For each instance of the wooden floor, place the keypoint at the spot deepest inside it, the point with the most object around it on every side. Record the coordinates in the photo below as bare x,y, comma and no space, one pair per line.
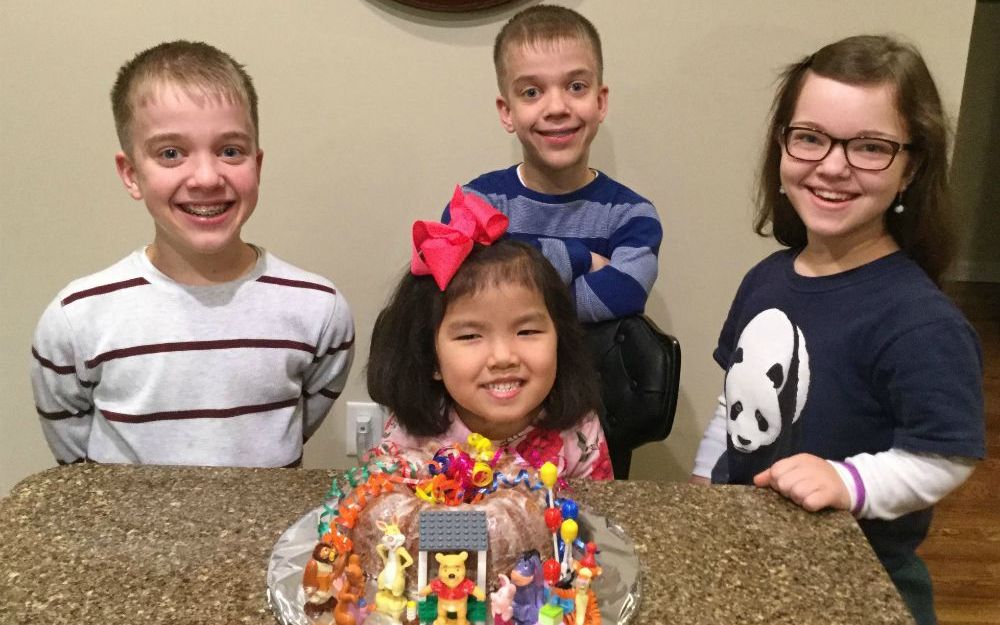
963,548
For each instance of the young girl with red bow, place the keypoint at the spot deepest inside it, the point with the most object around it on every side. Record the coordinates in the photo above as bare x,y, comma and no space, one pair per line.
481,337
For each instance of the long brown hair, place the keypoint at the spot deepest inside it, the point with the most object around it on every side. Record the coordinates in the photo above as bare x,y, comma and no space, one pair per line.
924,230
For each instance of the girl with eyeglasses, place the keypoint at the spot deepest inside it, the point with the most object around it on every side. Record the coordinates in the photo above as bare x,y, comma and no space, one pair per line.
851,381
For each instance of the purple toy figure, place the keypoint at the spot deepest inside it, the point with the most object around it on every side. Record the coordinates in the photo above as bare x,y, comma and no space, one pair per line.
529,596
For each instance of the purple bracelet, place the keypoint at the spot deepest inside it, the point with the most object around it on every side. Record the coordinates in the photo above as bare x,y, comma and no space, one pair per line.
859,488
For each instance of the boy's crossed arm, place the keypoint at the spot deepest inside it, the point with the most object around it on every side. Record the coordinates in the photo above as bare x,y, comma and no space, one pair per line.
619,286
597,261
603,288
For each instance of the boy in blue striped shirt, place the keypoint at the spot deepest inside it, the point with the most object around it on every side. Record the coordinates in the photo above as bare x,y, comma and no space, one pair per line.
600,235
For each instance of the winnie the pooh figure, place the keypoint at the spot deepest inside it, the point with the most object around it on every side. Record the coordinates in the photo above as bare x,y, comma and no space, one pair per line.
452,589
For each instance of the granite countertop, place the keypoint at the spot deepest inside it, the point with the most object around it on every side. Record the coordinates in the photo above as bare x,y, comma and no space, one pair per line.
99,544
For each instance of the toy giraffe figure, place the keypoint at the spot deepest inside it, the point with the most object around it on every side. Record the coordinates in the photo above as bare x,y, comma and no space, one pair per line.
390,598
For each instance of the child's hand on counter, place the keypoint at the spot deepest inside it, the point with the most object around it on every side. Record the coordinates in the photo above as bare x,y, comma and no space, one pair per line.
807,480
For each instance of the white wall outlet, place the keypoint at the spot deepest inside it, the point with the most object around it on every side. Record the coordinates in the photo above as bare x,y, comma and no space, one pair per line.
365,420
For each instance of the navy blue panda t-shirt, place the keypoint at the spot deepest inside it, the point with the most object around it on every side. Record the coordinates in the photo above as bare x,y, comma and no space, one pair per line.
858,362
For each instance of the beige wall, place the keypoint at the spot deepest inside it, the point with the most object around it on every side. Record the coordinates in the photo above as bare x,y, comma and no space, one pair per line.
370,115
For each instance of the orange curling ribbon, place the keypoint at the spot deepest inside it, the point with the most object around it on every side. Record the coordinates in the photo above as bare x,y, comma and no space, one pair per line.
454,494
441,489
351,507
339,542
379,483
447,492
425,490
347,515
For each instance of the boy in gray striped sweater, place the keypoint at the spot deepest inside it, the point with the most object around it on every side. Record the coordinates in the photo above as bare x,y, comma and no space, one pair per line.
198,348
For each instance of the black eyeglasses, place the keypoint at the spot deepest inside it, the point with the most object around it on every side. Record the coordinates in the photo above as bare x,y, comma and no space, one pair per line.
868,153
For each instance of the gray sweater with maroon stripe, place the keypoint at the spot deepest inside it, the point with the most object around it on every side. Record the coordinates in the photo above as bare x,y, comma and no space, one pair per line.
130,366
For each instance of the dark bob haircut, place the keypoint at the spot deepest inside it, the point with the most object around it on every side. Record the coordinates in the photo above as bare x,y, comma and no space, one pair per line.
403,359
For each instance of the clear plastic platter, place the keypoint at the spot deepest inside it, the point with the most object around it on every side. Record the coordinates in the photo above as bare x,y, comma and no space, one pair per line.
617,588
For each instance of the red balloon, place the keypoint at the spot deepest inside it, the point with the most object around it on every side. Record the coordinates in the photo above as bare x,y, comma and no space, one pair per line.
551,571
553,519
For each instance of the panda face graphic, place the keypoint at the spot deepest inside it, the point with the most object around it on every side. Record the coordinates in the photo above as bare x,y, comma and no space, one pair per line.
754,415
767,382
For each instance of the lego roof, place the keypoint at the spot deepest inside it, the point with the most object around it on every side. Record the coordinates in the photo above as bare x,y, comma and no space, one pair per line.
453,530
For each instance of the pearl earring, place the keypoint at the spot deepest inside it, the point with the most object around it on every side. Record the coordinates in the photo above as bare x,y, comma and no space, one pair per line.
781,189
899,208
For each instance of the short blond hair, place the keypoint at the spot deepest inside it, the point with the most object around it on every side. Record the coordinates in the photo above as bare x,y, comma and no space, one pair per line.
545,23
194,66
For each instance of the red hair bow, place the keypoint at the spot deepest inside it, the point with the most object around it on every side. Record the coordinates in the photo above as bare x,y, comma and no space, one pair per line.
439,249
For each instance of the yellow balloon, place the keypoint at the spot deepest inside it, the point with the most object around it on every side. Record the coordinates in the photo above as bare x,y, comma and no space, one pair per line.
569,530
549,473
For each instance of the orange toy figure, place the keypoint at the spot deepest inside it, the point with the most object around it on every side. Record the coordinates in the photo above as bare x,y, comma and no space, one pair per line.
587,570
325,568
583,578
452,589
354,587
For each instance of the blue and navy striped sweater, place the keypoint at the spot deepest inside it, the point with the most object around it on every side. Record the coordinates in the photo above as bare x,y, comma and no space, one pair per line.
604,217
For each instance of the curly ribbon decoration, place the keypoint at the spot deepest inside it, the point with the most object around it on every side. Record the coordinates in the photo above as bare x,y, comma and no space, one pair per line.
482,446
450,461
456,478
361,483
482,474
324,525
441,490
390,451
439,249
351,506
339,542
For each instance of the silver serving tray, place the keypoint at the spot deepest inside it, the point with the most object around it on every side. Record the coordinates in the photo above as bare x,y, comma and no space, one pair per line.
618,588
